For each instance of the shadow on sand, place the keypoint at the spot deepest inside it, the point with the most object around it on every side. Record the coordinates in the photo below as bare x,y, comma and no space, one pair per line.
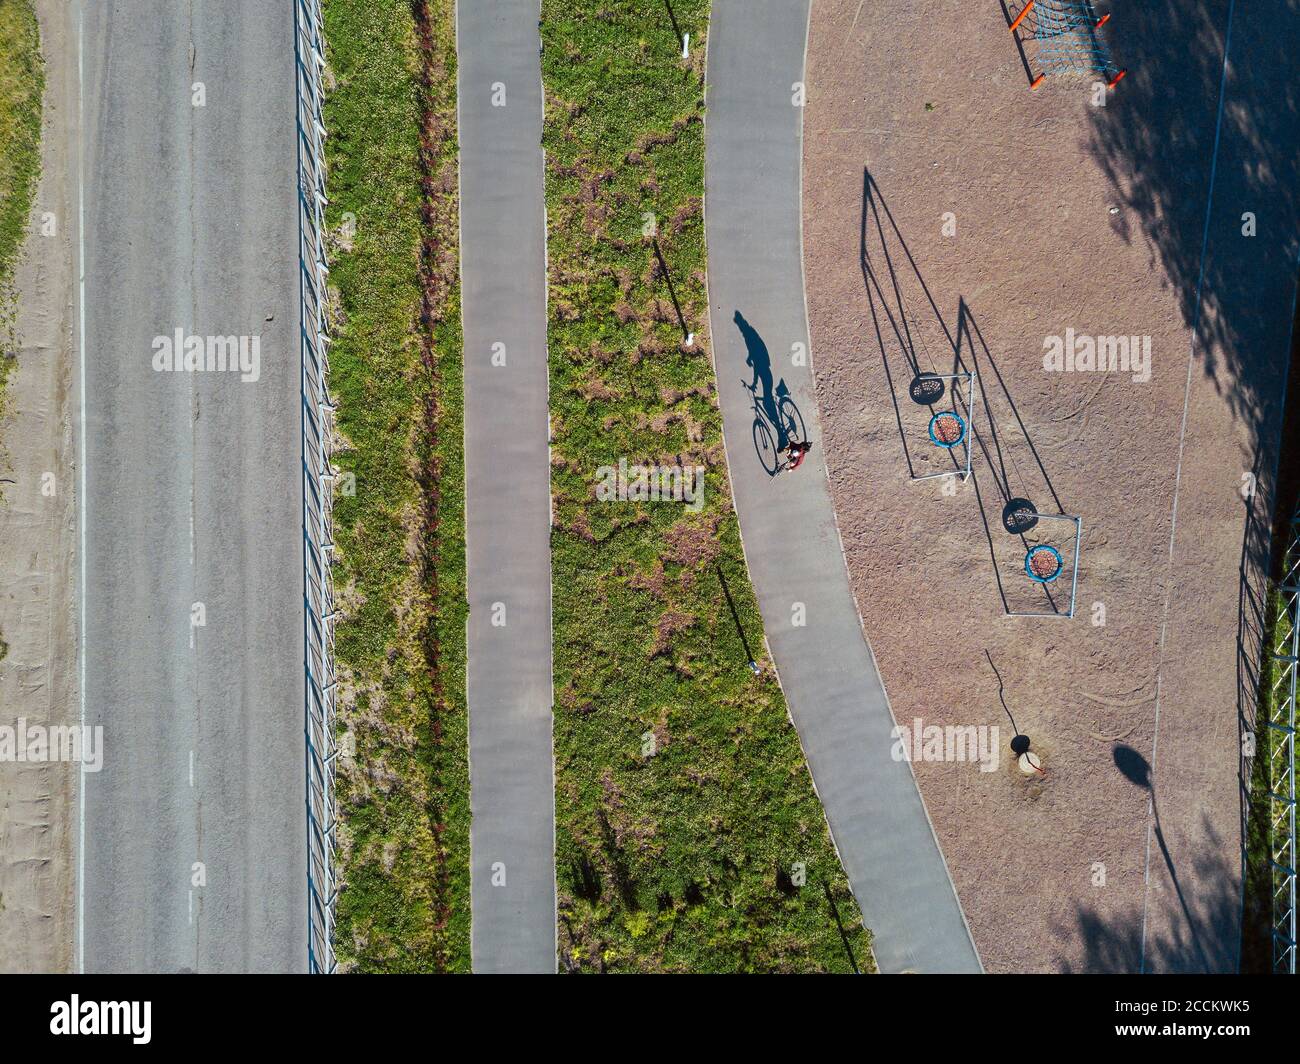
915,339
1233,288
1207,894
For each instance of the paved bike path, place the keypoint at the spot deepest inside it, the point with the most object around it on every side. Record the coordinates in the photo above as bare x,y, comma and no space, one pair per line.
792,545
193,835
507,479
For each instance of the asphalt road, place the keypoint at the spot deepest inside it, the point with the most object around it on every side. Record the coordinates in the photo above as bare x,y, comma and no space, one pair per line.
194,836
507,479
792,545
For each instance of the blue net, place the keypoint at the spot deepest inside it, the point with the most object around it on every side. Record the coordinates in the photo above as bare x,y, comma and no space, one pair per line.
1065,39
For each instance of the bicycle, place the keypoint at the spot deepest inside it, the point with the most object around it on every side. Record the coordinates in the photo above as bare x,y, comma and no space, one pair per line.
771,437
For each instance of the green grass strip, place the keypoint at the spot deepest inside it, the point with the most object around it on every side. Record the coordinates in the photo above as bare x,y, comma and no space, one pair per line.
689,837
22,83
396,373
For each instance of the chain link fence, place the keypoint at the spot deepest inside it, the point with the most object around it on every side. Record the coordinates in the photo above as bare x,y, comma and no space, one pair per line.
317,491
1285,652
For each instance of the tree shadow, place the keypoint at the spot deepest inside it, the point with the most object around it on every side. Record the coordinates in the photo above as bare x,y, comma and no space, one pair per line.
1213,190
1114,944
1155,141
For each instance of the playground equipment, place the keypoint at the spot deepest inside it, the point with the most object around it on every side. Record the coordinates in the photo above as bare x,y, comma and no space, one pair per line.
1065,40
948,428
1044,563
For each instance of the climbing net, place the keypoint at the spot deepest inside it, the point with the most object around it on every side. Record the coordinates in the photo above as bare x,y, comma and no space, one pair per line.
1066,41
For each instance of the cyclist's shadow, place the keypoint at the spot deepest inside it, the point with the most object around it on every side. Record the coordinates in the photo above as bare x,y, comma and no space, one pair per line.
777,421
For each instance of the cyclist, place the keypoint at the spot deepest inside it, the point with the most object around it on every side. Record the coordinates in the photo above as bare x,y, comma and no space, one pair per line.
797,451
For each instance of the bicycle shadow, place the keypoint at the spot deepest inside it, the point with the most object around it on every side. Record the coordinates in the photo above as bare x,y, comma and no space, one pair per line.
777,419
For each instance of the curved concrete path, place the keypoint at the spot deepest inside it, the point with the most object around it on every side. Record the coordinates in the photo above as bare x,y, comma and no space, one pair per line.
507,484
760,329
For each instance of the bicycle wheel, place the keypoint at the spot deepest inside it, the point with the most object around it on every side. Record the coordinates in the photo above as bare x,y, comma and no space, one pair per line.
765,445
792,421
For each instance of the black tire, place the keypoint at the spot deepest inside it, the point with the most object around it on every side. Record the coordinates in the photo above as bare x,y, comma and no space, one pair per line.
792,421
765,446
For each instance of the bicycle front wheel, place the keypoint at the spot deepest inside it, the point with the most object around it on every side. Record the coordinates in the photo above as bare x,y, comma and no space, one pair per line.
765,446
792,421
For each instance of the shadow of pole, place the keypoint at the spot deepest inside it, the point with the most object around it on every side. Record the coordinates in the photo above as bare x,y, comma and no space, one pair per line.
672,17
839,924
1137,770
672,292
735,616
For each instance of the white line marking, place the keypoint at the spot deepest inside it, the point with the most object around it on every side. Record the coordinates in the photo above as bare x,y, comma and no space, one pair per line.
1178,476
856,14
81,356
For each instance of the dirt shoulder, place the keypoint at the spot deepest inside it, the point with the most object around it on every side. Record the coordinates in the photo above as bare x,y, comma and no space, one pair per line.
955,220
37,542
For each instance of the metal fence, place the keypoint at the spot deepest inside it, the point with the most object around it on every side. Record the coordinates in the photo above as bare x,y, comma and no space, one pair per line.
1281,757
317,491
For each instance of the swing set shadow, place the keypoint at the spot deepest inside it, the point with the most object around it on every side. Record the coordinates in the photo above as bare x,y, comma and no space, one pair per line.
900,302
